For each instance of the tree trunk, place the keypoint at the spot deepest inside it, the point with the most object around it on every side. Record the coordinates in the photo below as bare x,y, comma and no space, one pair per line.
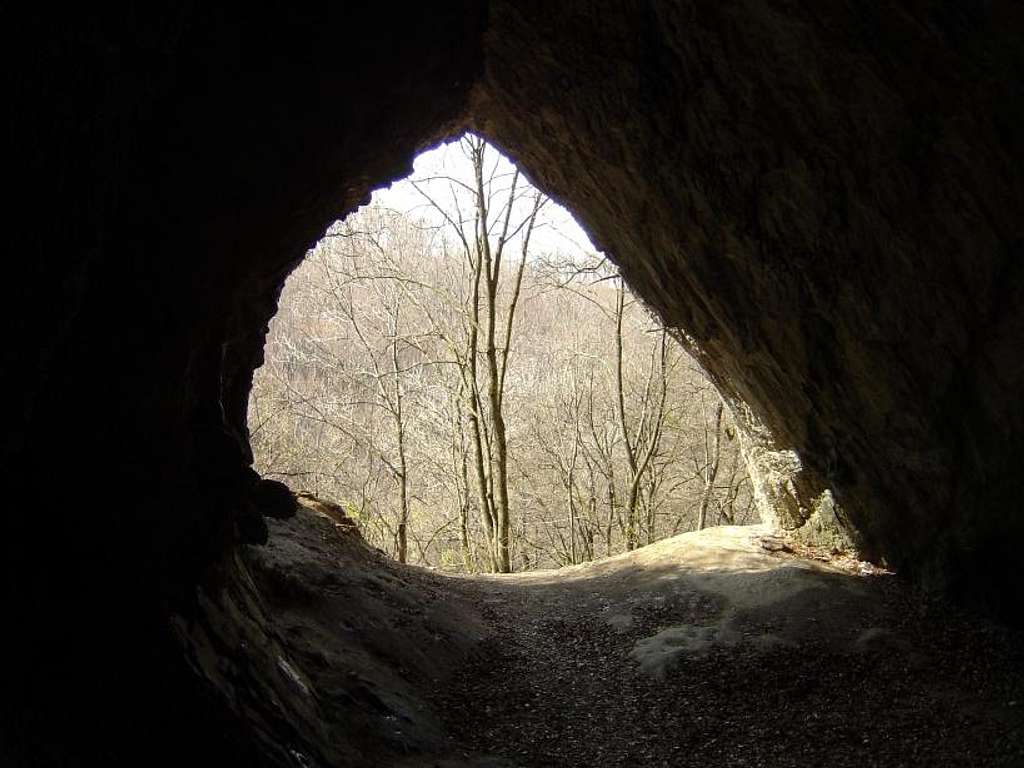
500,466
479,460
712,456
403,476
620,396
613,508
467,560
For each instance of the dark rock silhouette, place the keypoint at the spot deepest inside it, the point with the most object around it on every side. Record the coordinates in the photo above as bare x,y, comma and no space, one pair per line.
274,499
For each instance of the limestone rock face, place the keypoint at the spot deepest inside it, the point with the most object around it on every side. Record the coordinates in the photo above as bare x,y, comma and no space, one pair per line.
827,198
829,203
172,166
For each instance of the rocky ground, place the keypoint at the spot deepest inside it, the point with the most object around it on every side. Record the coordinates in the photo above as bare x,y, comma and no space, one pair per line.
705,649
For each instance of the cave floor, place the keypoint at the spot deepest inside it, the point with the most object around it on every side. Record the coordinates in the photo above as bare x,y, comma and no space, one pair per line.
706,649
710,648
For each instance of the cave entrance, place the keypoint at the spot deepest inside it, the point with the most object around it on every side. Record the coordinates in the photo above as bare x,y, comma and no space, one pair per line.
457,368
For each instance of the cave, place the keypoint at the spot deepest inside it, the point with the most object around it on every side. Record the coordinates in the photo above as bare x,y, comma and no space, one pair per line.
828,198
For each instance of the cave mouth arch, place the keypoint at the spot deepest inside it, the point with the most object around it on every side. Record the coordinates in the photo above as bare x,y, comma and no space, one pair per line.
377,364
732,215
825,198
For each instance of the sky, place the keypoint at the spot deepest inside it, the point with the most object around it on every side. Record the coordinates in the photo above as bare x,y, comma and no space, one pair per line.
556,231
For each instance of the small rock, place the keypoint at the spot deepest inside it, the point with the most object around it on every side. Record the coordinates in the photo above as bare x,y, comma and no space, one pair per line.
274,499
252,528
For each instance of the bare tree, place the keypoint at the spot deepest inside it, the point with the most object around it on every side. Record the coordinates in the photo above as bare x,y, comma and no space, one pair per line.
484,247
712,453
401,381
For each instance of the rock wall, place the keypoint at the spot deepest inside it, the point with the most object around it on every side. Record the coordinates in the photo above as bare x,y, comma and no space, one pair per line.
825,200
171,166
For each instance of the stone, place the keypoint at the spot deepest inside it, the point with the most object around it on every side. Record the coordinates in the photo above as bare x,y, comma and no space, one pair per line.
252,528
274,499
795,221
330,510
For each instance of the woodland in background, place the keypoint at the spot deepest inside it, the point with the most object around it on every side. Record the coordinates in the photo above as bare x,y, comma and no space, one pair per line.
477,405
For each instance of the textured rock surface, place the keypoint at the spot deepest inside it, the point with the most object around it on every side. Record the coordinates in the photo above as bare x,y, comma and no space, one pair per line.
172,166
708,648
829,202
827,197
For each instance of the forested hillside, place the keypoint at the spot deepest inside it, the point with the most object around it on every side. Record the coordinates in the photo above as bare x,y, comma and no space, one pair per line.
478,402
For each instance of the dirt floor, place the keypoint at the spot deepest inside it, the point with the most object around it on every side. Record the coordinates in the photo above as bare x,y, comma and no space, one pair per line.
714,648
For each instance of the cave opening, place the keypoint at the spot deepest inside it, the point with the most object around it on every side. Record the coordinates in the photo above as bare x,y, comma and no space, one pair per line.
373,399
824,196
714,613
521,660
